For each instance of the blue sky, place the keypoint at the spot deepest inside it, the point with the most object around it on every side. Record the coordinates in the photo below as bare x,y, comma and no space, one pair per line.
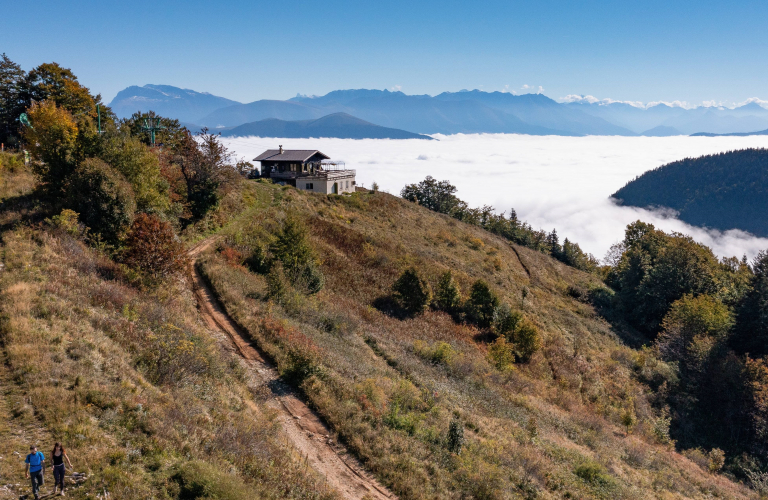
628,50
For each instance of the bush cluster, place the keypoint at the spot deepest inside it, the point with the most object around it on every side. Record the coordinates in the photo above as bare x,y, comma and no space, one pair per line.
482,308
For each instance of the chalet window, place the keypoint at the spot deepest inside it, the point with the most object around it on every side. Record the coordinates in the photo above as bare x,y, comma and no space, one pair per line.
347,184
310,185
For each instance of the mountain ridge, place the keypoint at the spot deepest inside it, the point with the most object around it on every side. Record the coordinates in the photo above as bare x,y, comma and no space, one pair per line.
335,125
466,111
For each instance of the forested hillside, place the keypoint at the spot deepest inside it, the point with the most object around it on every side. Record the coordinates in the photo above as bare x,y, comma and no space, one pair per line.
450,352
723,191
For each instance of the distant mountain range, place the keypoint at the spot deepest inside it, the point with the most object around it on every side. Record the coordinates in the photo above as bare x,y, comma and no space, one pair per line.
677,120
722,191
182,104
337,125
447,113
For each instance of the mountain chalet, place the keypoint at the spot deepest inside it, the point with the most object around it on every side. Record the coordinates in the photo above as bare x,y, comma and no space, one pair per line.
306,169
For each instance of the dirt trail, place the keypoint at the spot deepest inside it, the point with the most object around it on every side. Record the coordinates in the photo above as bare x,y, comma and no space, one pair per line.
301,425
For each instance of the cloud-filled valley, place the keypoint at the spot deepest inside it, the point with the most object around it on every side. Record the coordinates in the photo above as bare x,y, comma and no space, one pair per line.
551,181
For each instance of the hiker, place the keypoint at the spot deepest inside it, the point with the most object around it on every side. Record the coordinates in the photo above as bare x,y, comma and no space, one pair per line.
35,469
57,456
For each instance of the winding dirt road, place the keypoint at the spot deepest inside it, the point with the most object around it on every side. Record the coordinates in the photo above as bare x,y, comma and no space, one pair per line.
306,432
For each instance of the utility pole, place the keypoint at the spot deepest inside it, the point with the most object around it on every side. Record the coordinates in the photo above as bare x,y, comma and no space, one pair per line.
152,125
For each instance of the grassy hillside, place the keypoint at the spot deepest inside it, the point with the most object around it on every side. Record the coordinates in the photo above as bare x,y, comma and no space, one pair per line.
145,399
576,421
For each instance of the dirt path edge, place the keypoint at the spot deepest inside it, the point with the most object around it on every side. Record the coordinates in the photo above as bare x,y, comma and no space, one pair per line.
301,425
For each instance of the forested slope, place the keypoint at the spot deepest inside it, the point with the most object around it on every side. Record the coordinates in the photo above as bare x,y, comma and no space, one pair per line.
722,191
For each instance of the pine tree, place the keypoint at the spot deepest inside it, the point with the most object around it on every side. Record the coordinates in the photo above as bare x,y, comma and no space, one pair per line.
447,294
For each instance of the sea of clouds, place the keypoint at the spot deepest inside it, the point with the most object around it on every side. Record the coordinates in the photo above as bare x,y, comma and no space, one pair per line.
550,181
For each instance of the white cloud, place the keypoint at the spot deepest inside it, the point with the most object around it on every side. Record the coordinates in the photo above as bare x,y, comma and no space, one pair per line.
594,100
532,89
756,100
396,88
551,181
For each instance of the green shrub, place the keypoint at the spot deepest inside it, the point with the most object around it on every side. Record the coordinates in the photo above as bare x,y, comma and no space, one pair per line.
291,247
67,221
505,321
501,353
455,439
412,291
197,479
527,340
447,293
716,460
592,472
277,284
141,168
440,352
103,198
481,303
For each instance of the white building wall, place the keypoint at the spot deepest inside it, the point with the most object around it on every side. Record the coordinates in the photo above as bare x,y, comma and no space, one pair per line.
346,184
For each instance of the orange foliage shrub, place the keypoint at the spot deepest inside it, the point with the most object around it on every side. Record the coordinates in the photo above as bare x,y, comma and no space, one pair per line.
232,256
153,249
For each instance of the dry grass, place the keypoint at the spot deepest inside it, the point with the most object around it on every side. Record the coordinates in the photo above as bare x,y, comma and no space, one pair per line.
145,400
390,387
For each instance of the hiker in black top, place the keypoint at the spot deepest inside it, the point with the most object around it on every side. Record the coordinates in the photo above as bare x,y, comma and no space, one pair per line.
34,469
58,455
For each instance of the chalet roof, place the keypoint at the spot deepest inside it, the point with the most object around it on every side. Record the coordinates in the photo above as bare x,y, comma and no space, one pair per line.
295,155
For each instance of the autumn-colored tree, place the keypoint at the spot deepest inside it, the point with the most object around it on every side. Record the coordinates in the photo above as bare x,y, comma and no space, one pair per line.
152,248
51,82
52,140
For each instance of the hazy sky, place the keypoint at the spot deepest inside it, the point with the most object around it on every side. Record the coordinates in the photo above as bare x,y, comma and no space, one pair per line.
246,50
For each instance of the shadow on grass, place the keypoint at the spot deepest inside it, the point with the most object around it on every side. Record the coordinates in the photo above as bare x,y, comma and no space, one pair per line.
606,304
485,336
389,306
26,209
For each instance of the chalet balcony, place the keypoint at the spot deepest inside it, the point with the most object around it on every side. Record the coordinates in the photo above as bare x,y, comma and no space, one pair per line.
322,169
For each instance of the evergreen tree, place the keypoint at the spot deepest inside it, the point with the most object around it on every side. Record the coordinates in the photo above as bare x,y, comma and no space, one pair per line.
412,291
751,335
447,294
11,100
481,304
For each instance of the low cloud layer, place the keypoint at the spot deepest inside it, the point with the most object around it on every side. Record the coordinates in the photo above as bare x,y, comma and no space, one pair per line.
551,181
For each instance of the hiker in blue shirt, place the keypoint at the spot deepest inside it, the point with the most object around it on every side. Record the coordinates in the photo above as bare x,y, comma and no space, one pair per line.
35,469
